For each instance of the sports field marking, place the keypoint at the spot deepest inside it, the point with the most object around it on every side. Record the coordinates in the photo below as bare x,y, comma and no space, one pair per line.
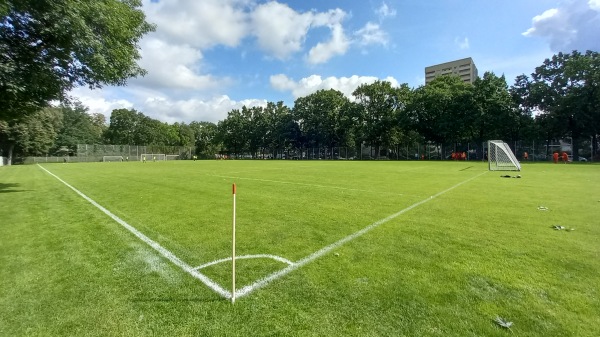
305,184
246,290
160,249
242,257
278,274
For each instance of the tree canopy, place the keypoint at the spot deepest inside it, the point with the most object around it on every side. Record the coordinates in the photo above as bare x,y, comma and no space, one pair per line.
47,47
560,99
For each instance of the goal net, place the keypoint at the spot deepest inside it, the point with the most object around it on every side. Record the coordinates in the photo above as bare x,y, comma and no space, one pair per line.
153,156
112,158
172,157
501,157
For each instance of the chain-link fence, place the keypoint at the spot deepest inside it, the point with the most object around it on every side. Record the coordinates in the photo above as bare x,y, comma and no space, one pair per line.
523,150
92,153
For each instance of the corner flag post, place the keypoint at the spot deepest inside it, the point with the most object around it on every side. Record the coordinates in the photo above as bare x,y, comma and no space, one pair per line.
233,252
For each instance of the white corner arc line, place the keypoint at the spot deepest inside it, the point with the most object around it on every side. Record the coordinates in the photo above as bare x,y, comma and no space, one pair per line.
276,275
160,249
242,257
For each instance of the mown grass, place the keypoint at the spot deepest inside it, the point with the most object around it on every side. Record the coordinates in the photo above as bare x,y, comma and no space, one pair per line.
447,267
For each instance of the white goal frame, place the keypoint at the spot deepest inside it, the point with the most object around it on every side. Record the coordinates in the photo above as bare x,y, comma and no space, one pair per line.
501,157
108,158
150,156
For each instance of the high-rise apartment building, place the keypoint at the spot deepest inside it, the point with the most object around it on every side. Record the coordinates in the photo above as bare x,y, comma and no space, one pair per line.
465,68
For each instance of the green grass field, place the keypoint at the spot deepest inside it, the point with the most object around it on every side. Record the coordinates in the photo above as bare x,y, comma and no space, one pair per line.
445,248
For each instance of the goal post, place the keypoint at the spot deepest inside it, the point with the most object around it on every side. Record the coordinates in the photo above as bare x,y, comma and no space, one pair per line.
153,156
501,157
112,158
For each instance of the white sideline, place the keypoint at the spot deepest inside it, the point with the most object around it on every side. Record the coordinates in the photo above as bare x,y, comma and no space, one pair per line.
274,276
242,257
163,251
246,290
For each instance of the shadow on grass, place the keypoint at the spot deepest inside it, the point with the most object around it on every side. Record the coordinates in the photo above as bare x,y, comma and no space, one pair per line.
179,300
8,188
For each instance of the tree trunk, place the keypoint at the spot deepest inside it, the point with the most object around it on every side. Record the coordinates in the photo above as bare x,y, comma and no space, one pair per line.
11,146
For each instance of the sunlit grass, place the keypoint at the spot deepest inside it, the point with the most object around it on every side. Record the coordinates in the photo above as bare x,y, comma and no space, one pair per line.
447,267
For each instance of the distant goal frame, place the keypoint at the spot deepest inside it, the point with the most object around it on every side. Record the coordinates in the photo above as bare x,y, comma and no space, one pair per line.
151,156
501,157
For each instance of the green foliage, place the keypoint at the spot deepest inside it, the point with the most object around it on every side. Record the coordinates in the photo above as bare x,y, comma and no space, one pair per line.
566,87
384,108
33,135
495,113
48,47
442,111
206,139
324,118
79,127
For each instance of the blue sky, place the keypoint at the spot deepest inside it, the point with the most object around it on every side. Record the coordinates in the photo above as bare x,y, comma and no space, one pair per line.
208,57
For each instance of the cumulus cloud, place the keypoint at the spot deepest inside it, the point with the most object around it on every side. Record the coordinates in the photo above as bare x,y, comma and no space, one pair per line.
572,25
180,84
210,110
100,101
162,107
281,31
337,45
314,83
201,24
172,66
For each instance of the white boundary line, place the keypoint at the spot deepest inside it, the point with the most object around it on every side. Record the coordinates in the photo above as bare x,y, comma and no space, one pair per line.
257,256
160,249
278,274
246,290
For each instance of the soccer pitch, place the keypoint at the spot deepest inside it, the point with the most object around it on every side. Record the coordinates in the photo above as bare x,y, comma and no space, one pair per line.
323,248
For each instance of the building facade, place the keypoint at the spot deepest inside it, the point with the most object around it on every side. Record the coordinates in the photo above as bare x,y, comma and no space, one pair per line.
465,68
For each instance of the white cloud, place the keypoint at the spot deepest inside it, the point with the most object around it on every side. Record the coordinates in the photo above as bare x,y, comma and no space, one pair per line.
180,85
462,43
193,109
337,45
281,31
385,11
370,34
162,107
97,101
313,83
201,24
572,25
172,66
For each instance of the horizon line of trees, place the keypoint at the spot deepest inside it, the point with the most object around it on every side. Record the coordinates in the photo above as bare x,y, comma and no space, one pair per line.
560,99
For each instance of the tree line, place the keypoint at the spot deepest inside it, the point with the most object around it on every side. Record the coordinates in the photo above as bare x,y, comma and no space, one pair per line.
48,48
560,99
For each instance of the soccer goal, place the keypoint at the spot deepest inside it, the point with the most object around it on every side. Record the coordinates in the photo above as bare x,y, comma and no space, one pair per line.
112,158
172,157
501,157
153,156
